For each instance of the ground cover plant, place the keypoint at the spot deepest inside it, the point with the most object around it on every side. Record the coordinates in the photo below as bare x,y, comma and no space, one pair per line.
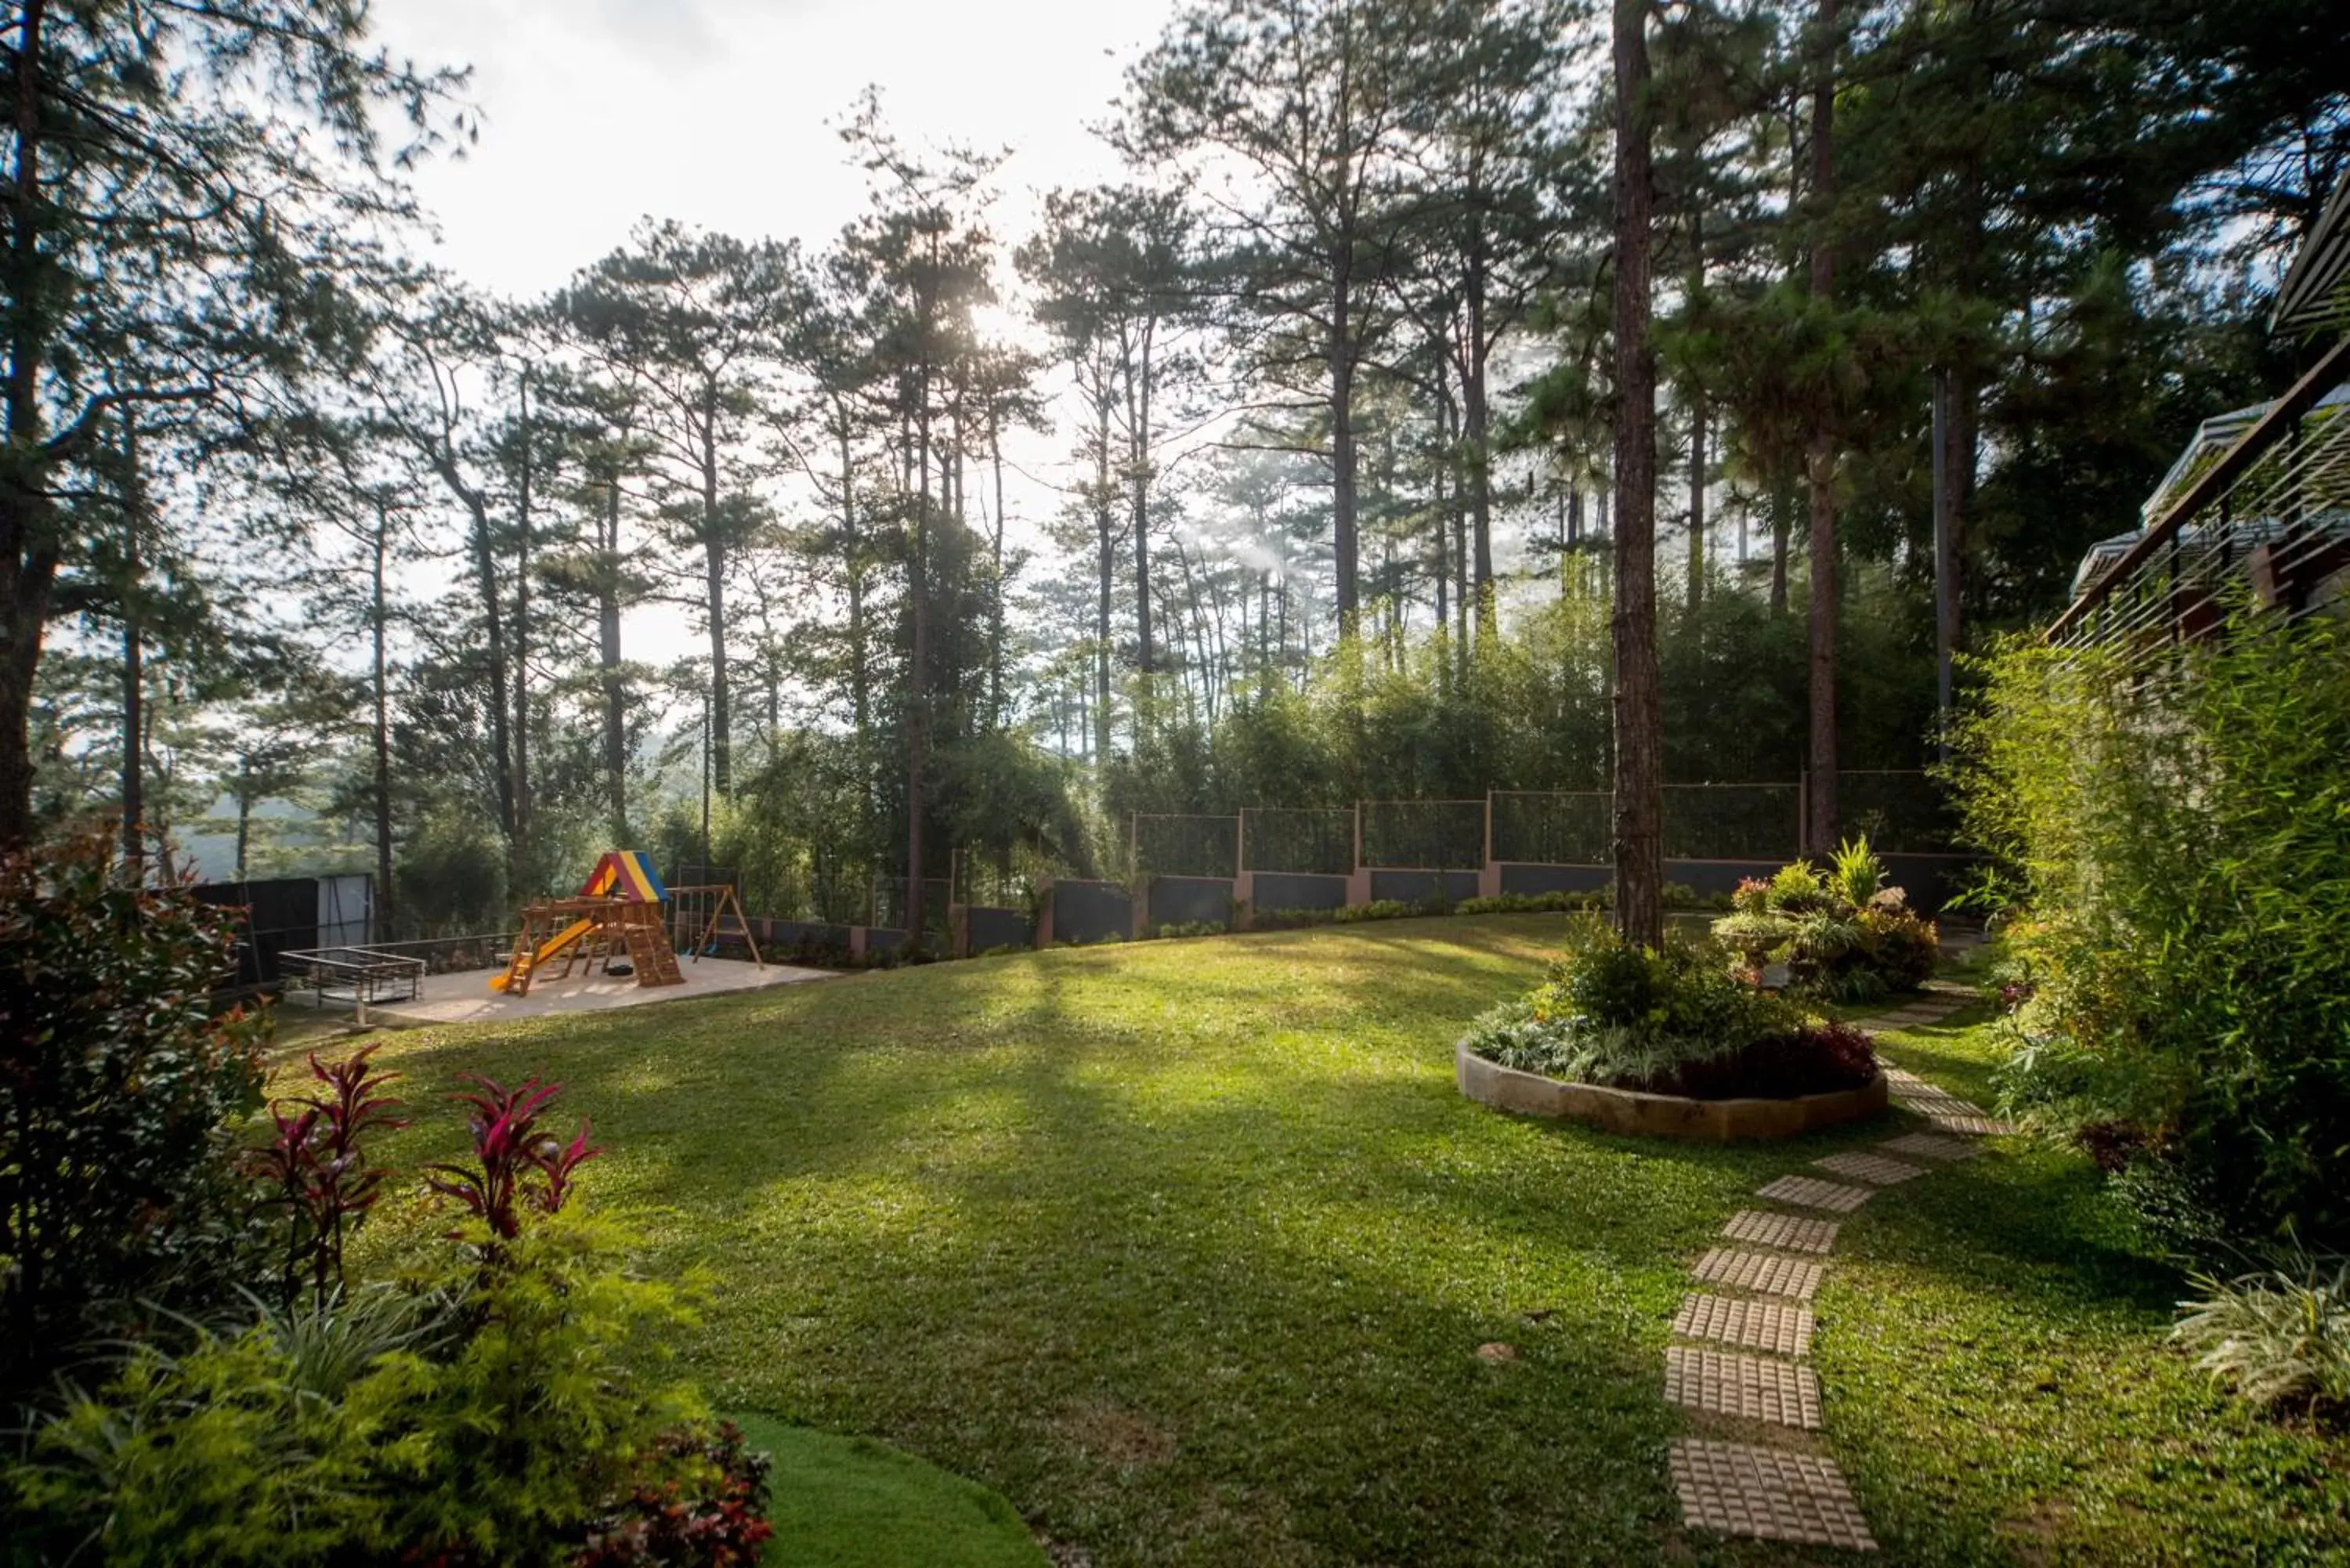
1668,1021
1187,1250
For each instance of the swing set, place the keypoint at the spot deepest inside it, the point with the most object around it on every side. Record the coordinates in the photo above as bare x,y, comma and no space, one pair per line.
619,910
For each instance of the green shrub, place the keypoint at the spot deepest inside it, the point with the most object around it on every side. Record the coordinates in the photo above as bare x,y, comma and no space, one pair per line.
1192,929
547,1398
1291,919
2174,845
1670,1022
2276,1334
119,1187
1845,936
1386,910
514,1401
1532,903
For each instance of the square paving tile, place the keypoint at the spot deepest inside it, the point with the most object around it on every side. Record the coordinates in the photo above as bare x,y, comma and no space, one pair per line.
1750,1388
1739,1489
1764,1273
1781,1329
1873,1168
1932,1145
1811,1192
1973,1123
1791,1232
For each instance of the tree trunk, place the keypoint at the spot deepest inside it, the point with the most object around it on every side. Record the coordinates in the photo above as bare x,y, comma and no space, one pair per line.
1104,569
607,661
1480,470
1698,412
486,581
917,717
134,674
1342,460
28,550
1783,505
519,855
1639,726
1821,463
243,811
379,617
722,745
1139,455
995,599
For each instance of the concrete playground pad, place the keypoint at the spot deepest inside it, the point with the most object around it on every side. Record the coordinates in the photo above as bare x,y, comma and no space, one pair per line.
466,998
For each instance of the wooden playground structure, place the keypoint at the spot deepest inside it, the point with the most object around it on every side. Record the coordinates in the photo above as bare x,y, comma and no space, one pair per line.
621,910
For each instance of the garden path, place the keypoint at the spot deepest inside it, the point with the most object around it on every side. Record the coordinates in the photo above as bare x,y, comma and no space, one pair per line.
1742,1360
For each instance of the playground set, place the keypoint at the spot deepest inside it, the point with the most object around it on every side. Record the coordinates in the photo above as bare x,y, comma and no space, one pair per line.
621,910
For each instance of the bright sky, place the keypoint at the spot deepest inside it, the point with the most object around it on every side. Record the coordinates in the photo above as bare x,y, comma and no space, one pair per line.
720,113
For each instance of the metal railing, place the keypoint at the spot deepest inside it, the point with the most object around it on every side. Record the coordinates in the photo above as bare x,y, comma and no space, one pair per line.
2267,524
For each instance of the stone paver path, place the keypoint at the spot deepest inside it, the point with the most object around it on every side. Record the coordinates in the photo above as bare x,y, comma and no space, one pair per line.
1873,1168
1761,1272
1775,1326
1750,1358
1745,1388
1741,1489
1789,1232
1811,1192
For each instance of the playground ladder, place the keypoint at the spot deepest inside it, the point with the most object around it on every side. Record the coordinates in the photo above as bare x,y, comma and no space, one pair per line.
649,950
518,966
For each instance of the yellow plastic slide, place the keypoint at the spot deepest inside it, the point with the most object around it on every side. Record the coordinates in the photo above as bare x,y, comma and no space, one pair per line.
549,948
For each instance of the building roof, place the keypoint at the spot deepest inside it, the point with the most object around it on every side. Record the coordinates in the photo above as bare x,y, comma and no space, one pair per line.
2316,290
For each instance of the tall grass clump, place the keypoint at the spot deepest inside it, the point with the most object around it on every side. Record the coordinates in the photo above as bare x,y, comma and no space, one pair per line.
2173,835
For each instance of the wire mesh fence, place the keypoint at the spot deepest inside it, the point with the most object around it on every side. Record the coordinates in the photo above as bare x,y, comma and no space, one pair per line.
1302,840
1733,821
999,879
1898,811
889,903
1168,846
1424,835
1552,827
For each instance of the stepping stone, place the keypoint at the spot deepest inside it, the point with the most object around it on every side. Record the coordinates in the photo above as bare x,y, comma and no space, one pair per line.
1976,1124
1901,1077
1791,1231
1874,1168
1932,1145
1749,1387
1756,1326
1739,1489
1811,1192
1764,1273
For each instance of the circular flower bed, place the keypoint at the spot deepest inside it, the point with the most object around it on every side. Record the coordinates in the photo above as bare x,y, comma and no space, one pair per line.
1669,1044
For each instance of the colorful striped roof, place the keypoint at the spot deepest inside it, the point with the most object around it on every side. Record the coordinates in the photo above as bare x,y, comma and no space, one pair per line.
625,873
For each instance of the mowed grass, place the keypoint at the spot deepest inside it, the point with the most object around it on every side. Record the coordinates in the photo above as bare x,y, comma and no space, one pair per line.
1189,1247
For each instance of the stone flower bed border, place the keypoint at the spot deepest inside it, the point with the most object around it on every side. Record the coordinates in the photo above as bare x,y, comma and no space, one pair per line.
1642,1115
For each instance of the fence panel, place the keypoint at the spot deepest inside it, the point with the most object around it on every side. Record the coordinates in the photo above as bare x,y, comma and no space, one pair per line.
1424,835
1898,811
1733,822
1314,841
890,901
1552,827
1169,845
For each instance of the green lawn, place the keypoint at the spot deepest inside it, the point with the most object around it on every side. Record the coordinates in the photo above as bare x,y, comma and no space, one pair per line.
1188,1248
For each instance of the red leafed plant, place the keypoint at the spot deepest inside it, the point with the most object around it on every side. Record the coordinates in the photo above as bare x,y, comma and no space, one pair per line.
518,1167
718,1525
320,1171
